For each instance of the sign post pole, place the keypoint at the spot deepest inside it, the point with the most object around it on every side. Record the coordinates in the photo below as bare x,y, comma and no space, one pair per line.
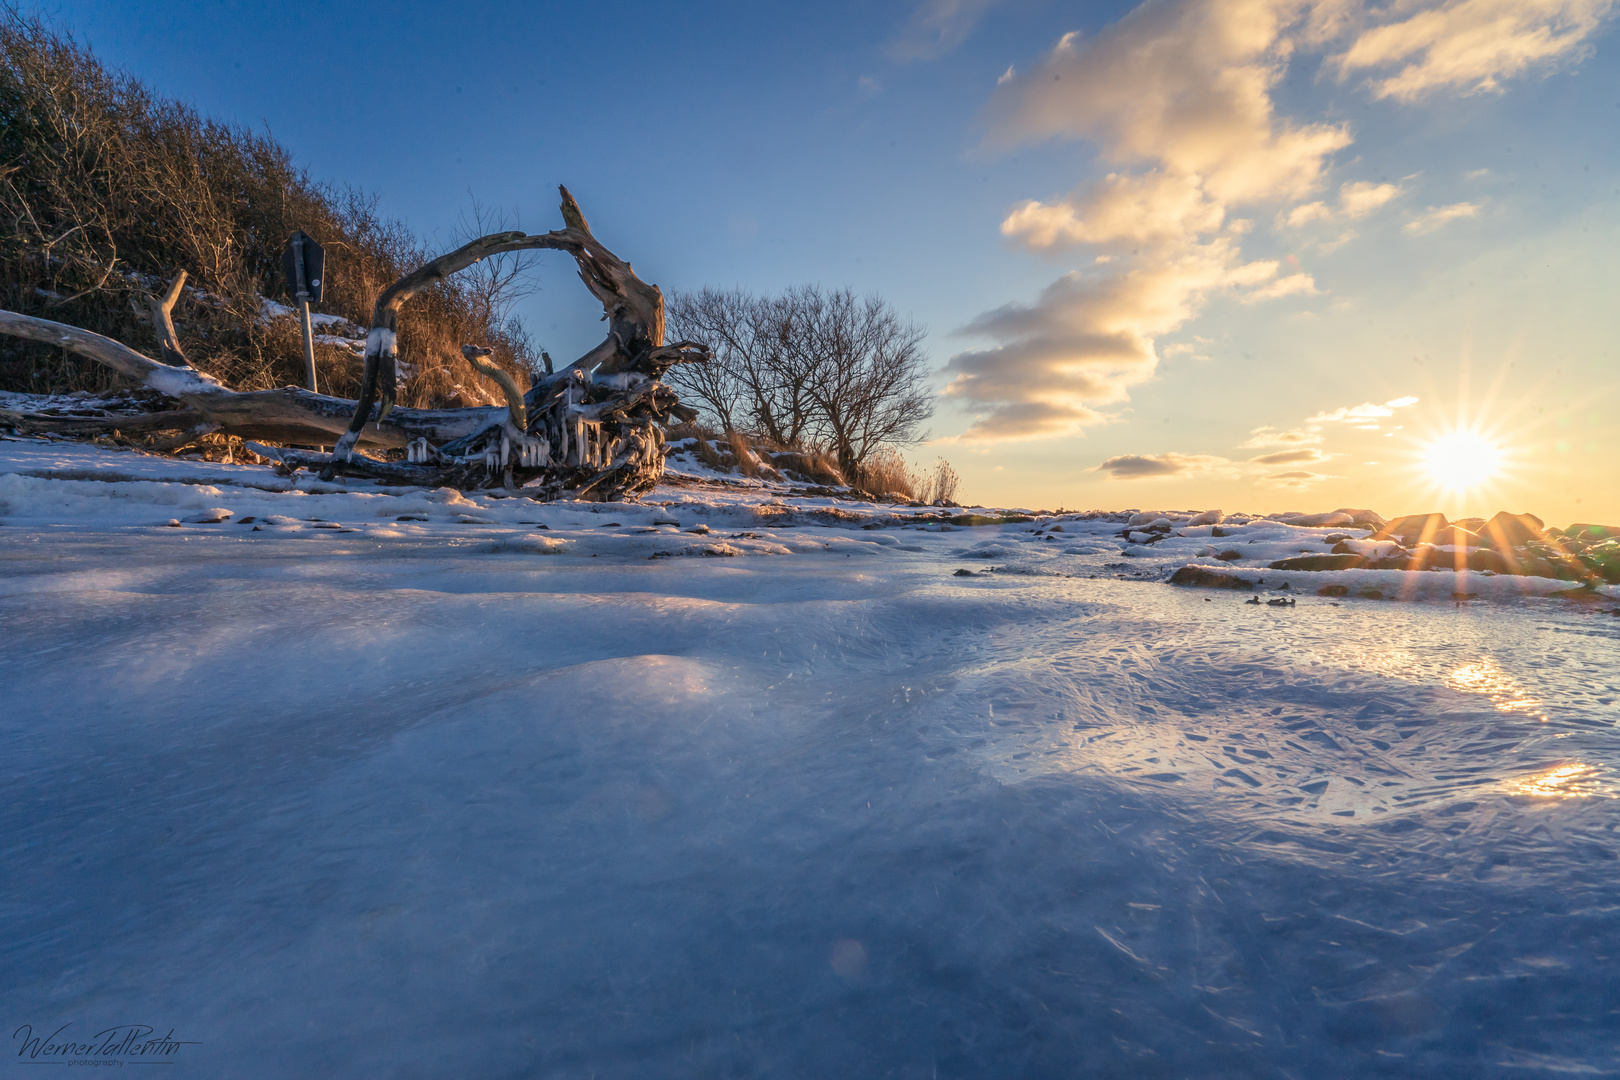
301,283
304,263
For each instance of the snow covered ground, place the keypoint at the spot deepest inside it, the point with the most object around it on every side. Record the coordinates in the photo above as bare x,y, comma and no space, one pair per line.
403,784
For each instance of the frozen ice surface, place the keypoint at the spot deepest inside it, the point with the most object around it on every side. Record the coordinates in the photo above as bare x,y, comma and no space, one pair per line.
362,797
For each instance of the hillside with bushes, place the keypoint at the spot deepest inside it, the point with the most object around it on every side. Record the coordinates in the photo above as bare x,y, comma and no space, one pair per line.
108,190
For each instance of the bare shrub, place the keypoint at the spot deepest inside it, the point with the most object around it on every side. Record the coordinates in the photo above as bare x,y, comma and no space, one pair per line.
922,490
107,190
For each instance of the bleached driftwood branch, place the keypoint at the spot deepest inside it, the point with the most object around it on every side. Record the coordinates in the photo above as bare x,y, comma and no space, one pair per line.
286,415
169,350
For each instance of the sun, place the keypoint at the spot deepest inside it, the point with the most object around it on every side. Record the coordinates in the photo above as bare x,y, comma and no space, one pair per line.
1462,461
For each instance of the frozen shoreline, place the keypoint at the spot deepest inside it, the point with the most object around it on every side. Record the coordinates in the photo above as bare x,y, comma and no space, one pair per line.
411,800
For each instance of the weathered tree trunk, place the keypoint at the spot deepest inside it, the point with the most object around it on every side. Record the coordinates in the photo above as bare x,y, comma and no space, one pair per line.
125,423
593,429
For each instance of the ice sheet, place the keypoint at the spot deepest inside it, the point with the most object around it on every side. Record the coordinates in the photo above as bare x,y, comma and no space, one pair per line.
423,799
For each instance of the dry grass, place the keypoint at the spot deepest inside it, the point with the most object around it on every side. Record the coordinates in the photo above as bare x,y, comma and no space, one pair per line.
756,456
674,433
714,459
940,488
747,464
887,476
815,466
107,190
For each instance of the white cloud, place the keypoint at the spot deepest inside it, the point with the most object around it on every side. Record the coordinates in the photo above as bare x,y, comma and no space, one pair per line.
1362,197
1357,199
1364,414
1182,90
938,27
1177,97
1307,213
1297,478
1436,216
1185,86
1328,20
869,85
1328,247
1471,45
1086,340
1308,455
1120,211
1164,466
1298,447
1292,285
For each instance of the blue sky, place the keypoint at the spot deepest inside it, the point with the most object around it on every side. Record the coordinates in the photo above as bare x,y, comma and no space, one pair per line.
1207,243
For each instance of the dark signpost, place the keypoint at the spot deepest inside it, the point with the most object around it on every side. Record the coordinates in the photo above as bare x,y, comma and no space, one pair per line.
304,263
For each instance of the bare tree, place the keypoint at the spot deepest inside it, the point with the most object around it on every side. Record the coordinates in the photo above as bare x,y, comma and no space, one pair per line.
808,367
870,383
758,382
788,413
496,284
722,320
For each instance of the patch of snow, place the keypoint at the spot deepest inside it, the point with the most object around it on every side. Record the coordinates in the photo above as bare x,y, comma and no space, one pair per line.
175,381
335,322
356,347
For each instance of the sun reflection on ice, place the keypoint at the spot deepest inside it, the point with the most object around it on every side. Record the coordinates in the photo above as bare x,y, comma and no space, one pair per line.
1484,677
1574,781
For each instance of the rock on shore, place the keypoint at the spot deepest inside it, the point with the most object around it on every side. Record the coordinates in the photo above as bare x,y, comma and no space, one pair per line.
1506,544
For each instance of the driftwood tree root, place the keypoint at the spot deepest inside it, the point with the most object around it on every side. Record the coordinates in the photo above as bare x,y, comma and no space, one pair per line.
594,427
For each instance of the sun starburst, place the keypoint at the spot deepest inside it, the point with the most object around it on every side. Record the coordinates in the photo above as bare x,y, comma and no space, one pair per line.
1466,466
1461,462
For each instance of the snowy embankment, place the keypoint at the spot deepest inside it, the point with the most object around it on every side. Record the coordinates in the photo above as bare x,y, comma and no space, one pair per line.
696,512
333,793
